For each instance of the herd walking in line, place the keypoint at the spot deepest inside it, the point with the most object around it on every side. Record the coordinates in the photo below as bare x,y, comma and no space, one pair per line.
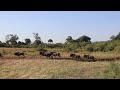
56,55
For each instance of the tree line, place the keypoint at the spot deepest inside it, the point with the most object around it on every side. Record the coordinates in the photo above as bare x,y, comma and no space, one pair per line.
82,43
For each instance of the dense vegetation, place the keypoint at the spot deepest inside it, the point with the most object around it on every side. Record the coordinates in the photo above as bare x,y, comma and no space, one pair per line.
83,43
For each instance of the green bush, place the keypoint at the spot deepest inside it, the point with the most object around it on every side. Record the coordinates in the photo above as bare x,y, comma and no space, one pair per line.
100,46
117,49
109,47
89,47
72,47
58,45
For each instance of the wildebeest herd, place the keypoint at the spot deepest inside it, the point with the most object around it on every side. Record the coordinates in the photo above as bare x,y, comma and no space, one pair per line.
49,54
85,57
56,55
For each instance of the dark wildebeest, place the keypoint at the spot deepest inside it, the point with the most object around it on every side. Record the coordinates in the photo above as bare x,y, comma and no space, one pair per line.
89,57
1,56
72,55
78,57
48,54
42,53
55,54
86,56
19,54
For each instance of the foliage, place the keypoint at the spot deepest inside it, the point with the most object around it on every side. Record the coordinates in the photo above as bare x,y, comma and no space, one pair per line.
117,37
37,39
100,46
72,47
59,45
69,39
12,39
50,41
27,41
89,48
84,38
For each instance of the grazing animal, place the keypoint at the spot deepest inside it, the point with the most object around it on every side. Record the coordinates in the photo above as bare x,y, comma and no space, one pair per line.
48,54
42,53
86,56
19,54
89,57
1,56
78,57
72,55
55,54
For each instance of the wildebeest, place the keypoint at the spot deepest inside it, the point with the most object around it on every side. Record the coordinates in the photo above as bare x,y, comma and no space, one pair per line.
49,54
19,54
86,56
1,56
78,57
42,53
55,54
72,55
46,53
89,57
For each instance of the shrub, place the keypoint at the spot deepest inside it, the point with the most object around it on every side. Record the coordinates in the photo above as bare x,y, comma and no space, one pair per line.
109,47
117,49
89,48
100,46
72,47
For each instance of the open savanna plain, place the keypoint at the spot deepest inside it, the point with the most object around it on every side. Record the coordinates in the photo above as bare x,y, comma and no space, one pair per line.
33,66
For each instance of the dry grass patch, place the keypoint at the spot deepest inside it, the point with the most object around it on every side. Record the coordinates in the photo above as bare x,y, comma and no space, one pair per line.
51,69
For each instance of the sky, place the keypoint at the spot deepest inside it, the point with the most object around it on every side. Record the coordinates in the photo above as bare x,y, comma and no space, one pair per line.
58,25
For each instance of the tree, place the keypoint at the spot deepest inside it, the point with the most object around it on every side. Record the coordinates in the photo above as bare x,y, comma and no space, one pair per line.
37,39
117,37
0,42
50,41
84,38
69,39
11,39
19,43
27,41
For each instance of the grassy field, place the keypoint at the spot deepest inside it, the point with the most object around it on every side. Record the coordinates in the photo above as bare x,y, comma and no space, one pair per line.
35,67
57,69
